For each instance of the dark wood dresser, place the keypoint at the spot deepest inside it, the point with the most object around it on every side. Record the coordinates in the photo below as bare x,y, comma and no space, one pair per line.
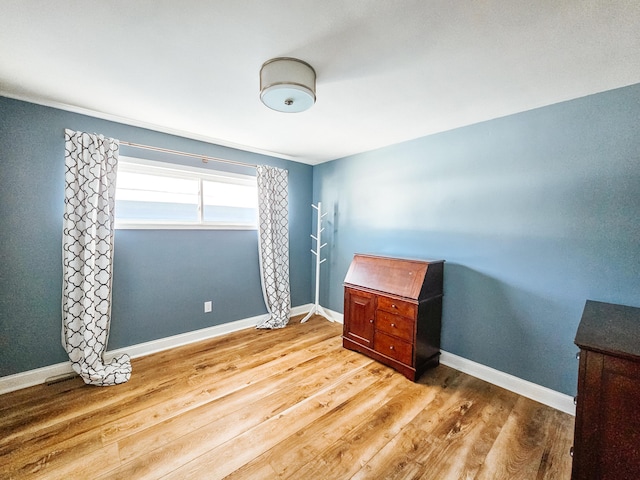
392,311
607,428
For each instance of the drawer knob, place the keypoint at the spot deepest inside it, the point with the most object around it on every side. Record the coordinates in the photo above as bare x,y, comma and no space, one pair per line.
393,305
571,451
575,400
393,325
391,347
371,321
578,356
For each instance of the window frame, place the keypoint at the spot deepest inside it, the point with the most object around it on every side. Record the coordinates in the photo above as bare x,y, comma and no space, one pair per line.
140,165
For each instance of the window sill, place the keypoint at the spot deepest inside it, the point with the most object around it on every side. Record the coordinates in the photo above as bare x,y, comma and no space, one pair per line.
183,226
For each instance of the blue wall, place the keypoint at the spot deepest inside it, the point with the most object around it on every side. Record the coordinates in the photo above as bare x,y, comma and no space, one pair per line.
534,213
161,278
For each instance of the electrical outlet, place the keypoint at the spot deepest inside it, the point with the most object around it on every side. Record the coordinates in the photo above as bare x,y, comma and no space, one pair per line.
207,306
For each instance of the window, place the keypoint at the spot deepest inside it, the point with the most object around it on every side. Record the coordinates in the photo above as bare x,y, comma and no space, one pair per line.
158,195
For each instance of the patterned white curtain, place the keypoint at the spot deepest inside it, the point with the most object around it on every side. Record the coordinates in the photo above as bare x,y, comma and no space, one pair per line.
273,242
87,250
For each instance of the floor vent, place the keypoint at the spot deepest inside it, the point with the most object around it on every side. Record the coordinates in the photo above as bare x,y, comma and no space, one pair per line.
60,378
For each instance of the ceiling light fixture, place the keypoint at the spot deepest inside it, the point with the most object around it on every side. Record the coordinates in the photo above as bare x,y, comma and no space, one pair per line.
287,85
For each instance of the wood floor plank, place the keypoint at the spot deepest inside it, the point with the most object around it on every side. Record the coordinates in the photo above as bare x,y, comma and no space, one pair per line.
288,403
393,458
398,457
232,455
196,359
51,468
459,444
214,385
216,408
518,450
345,457
140,396
559,441
290,455
226,420
89,433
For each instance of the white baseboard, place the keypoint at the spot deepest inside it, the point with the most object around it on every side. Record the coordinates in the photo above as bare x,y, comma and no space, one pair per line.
301,309
38,376
522,387
335,316
29,378
536,392
147,348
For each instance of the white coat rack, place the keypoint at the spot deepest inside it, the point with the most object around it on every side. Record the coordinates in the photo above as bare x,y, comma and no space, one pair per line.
317,309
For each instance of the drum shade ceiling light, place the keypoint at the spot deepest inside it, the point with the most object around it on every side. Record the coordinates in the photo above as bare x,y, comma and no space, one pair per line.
287,85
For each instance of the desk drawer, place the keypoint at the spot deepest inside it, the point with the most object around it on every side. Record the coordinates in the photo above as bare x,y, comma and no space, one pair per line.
393,347
395,325
400,307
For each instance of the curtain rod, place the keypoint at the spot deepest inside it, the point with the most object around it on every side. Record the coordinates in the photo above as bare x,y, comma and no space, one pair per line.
204,158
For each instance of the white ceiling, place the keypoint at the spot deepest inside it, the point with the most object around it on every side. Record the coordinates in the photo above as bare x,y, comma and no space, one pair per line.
387,70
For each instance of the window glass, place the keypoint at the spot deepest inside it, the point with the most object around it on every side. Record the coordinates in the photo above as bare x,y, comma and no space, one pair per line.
229,202
153,195
147,197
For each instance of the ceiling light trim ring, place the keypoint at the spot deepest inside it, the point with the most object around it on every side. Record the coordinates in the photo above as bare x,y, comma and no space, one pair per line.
292,84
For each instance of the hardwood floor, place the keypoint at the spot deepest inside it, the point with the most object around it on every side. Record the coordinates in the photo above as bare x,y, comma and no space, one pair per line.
289,403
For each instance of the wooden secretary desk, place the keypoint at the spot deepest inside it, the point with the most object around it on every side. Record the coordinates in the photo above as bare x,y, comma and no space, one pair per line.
392,311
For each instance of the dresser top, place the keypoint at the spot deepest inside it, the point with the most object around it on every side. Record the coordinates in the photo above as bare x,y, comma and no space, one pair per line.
610,328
